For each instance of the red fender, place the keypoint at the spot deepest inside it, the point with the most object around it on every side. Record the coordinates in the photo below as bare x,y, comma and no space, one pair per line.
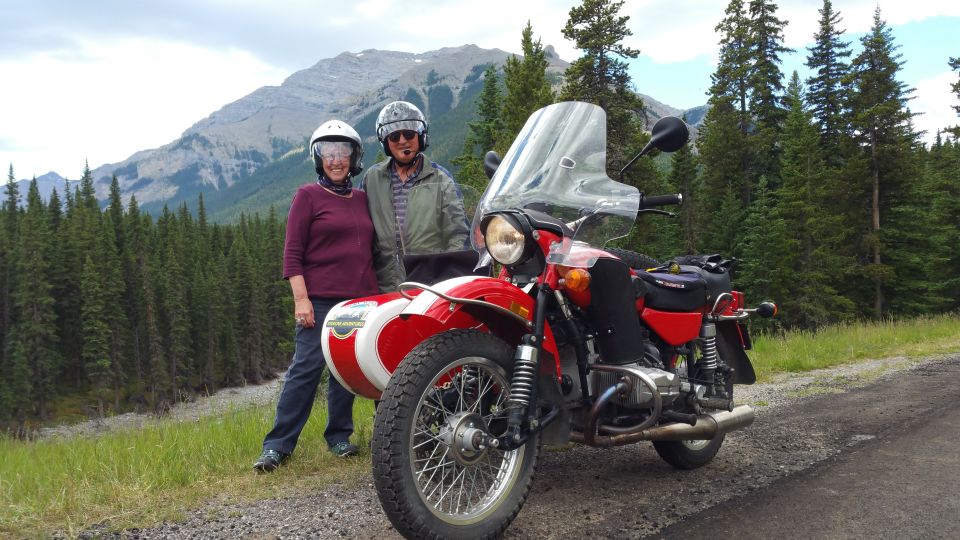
387,327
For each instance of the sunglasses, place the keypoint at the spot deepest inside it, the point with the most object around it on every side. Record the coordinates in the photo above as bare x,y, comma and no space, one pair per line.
407,134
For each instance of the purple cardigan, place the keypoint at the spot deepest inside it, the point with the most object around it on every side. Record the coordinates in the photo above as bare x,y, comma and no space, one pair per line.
330,243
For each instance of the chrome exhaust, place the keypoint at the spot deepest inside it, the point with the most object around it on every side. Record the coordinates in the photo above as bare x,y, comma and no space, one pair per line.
707,427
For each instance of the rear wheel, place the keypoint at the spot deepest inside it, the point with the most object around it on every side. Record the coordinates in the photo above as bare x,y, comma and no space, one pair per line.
635,260
694,453
432,477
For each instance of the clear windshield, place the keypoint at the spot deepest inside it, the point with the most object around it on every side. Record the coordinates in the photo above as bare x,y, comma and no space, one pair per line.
557,165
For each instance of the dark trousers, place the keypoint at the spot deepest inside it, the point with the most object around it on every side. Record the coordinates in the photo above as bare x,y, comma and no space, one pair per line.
300,389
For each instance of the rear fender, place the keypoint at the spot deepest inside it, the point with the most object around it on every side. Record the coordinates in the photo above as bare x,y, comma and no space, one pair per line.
730,346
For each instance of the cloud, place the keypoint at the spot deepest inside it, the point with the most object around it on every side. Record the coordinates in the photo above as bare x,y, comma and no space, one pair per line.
681,30
935,98
110,99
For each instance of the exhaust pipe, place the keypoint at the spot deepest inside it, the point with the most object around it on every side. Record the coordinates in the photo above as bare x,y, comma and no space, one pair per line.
707,427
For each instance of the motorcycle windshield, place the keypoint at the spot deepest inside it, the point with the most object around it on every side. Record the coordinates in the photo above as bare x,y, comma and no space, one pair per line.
557,165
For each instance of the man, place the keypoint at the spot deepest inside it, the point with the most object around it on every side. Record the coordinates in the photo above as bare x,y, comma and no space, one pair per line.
415,205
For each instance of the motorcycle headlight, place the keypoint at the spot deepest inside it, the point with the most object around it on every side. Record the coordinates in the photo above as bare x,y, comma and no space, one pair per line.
505,241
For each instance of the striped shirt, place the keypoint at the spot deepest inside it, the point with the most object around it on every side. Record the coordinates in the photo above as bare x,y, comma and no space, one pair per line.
400,191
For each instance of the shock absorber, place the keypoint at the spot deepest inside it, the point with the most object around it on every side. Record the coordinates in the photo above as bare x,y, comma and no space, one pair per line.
522,388
707,365
524,376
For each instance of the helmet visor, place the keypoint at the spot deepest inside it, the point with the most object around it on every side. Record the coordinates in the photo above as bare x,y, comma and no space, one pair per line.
401,125
330,151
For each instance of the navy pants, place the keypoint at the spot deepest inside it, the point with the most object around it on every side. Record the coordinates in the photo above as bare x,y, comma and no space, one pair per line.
300,389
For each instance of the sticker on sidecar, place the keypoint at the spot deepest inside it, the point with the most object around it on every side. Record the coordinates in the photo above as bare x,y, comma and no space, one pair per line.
350,318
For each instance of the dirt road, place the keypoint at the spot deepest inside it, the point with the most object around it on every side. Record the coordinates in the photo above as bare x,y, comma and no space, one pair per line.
859,451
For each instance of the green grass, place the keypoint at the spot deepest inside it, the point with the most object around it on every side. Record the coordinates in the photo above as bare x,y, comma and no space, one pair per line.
848,343
140,477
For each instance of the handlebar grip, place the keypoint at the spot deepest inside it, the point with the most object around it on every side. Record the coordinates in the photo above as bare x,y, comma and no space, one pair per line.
661,200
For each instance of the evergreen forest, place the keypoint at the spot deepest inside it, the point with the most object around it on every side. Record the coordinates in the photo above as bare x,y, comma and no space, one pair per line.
821,188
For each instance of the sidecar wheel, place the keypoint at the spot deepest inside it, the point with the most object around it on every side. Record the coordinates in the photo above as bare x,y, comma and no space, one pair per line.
688,454
430,483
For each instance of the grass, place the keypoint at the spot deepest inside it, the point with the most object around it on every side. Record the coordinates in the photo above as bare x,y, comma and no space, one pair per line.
144,476
140,477
849,343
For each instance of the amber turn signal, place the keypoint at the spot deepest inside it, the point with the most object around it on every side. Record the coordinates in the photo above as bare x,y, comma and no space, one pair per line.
576,279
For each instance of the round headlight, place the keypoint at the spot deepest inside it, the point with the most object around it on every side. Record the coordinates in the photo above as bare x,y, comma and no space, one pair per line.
505,241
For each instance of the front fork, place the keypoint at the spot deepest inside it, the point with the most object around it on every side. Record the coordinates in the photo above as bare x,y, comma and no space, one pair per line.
522,409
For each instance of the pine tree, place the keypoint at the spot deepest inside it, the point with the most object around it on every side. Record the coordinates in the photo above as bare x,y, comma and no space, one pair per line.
601,77
955,65
684,178
8,237
827,95
34,354
766,85
110,268
483,133
764,248
527,87
882,127
723,138
816,257
95,348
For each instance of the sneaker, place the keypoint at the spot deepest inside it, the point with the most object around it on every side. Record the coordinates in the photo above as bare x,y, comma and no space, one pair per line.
269,460
344,449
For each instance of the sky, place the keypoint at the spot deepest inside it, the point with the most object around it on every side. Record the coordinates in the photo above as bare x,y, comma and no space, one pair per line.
97,80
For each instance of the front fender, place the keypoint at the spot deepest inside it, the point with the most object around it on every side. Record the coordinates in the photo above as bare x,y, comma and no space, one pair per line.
499,292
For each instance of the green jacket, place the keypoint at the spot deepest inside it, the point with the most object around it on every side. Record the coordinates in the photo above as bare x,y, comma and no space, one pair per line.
435,220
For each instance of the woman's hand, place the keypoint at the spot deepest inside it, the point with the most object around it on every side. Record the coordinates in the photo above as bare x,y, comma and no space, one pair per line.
303,312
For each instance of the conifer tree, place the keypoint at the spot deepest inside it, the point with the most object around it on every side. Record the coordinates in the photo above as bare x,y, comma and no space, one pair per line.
34,354
684,178
110,268
723,137
816,255
8,238
527,87
882,128
95,344
827,95
764,248
482,133
955,65
600,76
766,85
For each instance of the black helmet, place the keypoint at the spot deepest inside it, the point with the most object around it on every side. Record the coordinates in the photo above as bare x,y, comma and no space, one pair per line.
335,130
397,116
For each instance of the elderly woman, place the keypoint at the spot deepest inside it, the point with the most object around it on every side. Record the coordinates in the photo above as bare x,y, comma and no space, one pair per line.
327,258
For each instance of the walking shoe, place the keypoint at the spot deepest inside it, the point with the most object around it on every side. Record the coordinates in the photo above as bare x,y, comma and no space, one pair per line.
344,449
269,460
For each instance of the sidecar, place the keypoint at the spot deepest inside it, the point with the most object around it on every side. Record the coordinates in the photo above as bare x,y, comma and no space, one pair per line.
365,339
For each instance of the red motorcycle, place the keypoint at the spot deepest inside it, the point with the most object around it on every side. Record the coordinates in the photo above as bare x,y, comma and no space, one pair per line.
571,342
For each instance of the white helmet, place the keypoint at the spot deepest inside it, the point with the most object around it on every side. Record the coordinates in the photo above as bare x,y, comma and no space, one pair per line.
335,130
397,116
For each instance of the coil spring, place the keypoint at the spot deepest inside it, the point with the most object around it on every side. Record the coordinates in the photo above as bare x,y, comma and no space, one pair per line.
710,355
521,386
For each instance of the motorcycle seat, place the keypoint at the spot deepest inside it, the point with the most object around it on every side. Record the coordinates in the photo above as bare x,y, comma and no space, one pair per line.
685,291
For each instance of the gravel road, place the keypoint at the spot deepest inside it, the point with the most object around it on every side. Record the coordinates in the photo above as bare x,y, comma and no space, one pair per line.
625,492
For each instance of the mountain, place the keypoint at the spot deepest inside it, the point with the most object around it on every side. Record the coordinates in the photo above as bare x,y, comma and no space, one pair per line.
224,149
251,153
45,185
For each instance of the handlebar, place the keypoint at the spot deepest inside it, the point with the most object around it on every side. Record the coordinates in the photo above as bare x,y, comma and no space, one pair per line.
661,200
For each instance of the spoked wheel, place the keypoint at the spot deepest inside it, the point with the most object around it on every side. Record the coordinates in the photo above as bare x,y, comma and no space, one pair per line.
694,453
434,476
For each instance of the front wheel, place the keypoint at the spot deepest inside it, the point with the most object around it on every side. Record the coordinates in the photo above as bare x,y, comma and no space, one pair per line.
432,479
